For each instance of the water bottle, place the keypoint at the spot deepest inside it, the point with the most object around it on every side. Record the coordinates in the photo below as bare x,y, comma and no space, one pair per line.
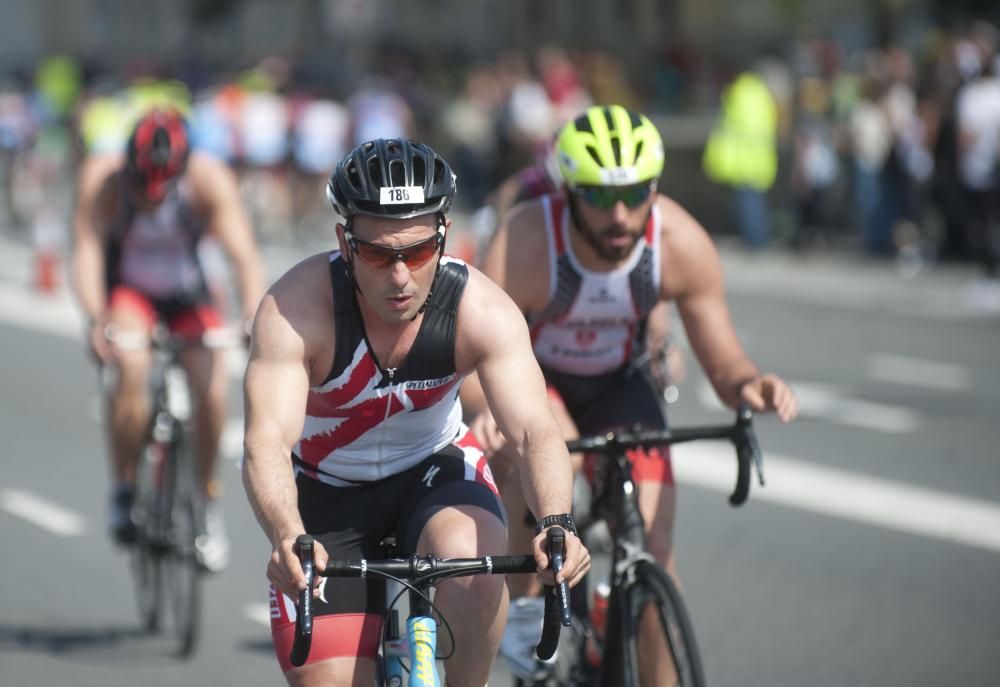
598,622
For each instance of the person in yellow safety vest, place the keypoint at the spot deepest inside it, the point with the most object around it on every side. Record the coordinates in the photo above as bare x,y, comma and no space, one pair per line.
742,153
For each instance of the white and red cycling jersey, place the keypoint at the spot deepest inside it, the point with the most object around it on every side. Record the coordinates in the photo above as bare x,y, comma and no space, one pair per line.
365,423
593,322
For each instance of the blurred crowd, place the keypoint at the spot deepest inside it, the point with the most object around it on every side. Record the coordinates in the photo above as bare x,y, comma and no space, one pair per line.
893,151
900,148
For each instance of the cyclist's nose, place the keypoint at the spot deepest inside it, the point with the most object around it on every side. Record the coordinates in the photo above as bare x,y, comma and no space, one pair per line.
399,273
619,212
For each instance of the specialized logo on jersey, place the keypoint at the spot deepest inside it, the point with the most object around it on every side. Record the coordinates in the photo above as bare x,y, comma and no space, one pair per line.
344,409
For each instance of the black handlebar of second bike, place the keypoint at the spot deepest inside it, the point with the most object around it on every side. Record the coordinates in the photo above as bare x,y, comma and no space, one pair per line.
426,569
740,434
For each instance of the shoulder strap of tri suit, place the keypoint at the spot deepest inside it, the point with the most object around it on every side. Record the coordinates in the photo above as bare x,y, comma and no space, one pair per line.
347,330
432,355
554,206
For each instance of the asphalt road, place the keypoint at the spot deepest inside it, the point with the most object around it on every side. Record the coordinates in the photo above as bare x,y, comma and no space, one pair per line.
870,558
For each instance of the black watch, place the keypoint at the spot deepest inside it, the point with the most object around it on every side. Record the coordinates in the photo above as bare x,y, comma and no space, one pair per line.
562,519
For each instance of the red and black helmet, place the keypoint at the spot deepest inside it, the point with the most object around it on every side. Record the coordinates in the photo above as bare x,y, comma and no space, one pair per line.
157,152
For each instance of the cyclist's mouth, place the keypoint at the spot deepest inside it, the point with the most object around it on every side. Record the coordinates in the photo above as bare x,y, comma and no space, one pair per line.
399,302
618,240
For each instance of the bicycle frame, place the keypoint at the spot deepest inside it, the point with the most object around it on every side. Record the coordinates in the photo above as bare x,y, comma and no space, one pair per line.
418,646
628,529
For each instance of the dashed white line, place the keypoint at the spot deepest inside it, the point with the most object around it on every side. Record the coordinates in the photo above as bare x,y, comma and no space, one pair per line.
41,512
931,374
851,496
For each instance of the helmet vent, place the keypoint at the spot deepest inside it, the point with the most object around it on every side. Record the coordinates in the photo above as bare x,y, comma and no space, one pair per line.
593,153
609,119
397,173
638,150
582,124
419,171
616,149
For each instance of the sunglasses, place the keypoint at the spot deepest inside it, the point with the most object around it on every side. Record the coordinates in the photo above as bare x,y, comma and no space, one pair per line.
606,197
412,255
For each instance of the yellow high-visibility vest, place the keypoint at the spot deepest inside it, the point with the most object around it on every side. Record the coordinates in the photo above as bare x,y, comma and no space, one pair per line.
742,150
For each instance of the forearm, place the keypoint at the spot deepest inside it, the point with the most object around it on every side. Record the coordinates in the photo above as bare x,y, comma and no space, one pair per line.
546,473
88,283
271,490
250,280
728,381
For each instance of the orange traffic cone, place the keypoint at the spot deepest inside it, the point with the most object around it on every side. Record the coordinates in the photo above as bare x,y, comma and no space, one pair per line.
46,271
48,236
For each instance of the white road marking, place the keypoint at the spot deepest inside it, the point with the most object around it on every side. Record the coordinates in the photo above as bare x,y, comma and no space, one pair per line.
931,374
828,402
56,314
851,496
259,613
41,512
231,445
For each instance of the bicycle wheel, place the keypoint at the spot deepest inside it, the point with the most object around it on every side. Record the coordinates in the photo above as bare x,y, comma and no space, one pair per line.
179,563
147,513
652,600
570,667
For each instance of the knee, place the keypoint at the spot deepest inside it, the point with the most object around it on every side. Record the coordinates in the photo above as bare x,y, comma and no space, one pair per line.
660,544
131,382
209,397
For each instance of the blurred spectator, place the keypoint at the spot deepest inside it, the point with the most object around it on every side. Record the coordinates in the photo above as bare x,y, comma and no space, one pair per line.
978,114
815,165
320,134
377,111
870,143
742,153
470,122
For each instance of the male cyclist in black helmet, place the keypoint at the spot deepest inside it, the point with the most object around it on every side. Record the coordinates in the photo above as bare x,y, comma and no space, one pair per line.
587,266
137,223
353,426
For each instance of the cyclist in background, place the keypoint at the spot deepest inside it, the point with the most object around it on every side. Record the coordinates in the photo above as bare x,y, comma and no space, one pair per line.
354,428
137,223
586,266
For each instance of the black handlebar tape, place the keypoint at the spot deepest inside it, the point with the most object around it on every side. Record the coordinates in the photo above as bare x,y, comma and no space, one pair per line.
742,490
557,611
303,617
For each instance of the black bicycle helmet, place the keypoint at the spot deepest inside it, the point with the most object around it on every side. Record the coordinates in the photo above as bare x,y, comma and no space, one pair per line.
391,177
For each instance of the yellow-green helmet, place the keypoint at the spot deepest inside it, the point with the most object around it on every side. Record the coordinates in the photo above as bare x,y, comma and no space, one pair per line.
609,145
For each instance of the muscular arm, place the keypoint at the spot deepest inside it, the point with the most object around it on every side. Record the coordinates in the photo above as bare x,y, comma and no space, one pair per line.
90,212
229,223
693,277
290,330
514,390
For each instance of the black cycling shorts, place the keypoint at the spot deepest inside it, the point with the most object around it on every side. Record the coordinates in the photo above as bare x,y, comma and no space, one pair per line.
351,522
613,401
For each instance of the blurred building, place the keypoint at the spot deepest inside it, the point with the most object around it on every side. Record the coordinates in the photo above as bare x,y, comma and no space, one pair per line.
331,32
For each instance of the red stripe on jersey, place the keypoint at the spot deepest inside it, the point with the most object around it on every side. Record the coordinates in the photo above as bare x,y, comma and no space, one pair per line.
323,404
650,228
425,398
362,417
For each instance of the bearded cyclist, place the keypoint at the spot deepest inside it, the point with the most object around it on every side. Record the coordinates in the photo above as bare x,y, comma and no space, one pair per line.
138,221
586,266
